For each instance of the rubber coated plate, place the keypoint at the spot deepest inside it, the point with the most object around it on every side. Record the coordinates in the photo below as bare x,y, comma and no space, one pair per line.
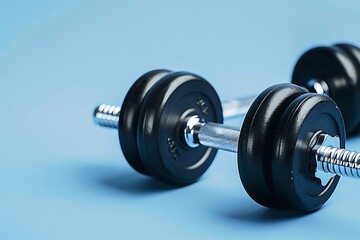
293,180
129,117
257,139
354,54
339,70
161,127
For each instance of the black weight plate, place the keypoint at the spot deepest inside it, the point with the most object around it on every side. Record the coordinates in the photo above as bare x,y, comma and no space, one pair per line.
336,68
293,177
161,127
129,117
257,139
354,54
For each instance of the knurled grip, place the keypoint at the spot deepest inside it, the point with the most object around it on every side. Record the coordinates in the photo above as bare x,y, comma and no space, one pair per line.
219,136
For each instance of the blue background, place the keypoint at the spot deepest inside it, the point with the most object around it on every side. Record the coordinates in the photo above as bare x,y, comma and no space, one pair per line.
61,177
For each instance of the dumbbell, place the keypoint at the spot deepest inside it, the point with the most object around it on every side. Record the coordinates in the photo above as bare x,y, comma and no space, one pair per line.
328,70
334,71
283,141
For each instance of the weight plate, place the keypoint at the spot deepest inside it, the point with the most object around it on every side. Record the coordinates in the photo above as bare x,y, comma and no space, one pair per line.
129,117
161,127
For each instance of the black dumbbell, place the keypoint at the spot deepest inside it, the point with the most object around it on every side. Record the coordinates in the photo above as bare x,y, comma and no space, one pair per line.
281,145
329,70
333,71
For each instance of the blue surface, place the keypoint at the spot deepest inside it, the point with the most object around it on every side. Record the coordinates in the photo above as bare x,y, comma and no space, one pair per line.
61,177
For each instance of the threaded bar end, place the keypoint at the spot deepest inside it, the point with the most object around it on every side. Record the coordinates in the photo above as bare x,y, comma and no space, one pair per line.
338,161
107,115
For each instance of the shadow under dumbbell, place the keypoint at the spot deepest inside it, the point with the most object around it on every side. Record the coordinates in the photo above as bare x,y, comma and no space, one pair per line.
135,184
248,211
265,215
118,179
